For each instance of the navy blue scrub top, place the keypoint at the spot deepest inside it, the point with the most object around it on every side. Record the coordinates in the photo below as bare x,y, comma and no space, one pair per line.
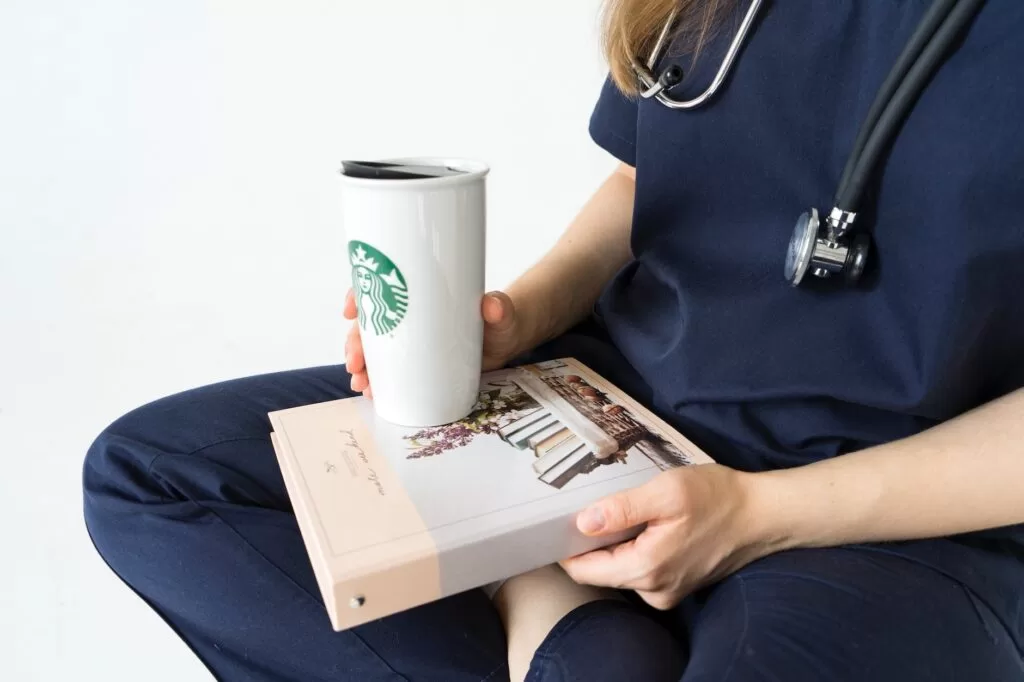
763,375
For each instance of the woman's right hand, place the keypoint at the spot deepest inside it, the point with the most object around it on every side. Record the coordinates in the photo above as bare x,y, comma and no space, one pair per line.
502,338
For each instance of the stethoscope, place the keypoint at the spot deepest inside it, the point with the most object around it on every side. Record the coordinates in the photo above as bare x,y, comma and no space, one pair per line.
831,247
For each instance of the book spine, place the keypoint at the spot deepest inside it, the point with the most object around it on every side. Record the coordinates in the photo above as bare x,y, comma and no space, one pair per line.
503,553
563,472
522,437
529,418
551,459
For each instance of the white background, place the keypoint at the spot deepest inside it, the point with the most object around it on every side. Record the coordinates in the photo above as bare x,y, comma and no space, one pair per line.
168,208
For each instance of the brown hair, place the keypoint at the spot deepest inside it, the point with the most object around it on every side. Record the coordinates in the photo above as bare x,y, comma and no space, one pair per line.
631,28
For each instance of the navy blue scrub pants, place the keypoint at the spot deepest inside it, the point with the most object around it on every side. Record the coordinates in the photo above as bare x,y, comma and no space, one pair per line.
184,501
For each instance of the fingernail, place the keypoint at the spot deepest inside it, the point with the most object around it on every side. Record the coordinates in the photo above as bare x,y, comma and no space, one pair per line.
591,520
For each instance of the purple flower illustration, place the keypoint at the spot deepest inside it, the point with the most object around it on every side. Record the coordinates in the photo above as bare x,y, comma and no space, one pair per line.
498,404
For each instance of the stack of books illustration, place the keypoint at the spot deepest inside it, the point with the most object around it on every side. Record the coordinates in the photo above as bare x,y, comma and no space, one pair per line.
576,428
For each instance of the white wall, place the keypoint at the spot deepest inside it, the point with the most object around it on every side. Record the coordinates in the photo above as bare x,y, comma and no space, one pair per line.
168,218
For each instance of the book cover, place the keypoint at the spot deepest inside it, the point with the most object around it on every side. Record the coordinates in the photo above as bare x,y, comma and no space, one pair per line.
394,517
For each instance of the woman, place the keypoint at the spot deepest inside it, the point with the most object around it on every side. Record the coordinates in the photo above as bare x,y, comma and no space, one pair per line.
863,519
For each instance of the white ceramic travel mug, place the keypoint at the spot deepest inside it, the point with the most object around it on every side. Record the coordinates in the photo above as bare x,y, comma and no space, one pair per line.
415,235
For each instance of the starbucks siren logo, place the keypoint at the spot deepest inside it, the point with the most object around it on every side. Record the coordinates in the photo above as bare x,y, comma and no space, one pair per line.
381,294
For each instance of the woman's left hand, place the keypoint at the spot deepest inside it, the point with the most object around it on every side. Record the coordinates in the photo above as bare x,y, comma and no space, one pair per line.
701,526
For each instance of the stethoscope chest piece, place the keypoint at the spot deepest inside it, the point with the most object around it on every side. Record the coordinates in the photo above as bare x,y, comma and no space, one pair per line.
823,251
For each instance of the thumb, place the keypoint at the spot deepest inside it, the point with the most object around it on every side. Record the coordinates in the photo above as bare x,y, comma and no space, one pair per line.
619,512
498,311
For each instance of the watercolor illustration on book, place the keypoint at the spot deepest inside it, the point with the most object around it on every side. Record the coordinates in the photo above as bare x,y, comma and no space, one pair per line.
570,423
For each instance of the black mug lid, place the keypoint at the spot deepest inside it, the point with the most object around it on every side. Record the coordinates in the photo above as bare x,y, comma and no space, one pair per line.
383,170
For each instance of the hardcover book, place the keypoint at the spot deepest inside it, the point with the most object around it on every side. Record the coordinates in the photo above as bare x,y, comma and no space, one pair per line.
395,517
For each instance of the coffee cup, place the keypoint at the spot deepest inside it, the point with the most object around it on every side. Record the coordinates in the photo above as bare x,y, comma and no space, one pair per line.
415,233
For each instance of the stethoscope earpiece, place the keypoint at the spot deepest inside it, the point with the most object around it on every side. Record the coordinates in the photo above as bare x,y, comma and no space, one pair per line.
652,86
671,77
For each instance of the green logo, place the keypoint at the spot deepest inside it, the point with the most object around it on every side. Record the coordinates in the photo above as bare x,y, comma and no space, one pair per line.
381,294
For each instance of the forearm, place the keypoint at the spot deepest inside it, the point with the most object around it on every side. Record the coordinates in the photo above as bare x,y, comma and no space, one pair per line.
561,288
961,476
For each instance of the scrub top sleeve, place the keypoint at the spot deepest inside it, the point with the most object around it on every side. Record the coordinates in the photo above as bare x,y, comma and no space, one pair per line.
613,123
